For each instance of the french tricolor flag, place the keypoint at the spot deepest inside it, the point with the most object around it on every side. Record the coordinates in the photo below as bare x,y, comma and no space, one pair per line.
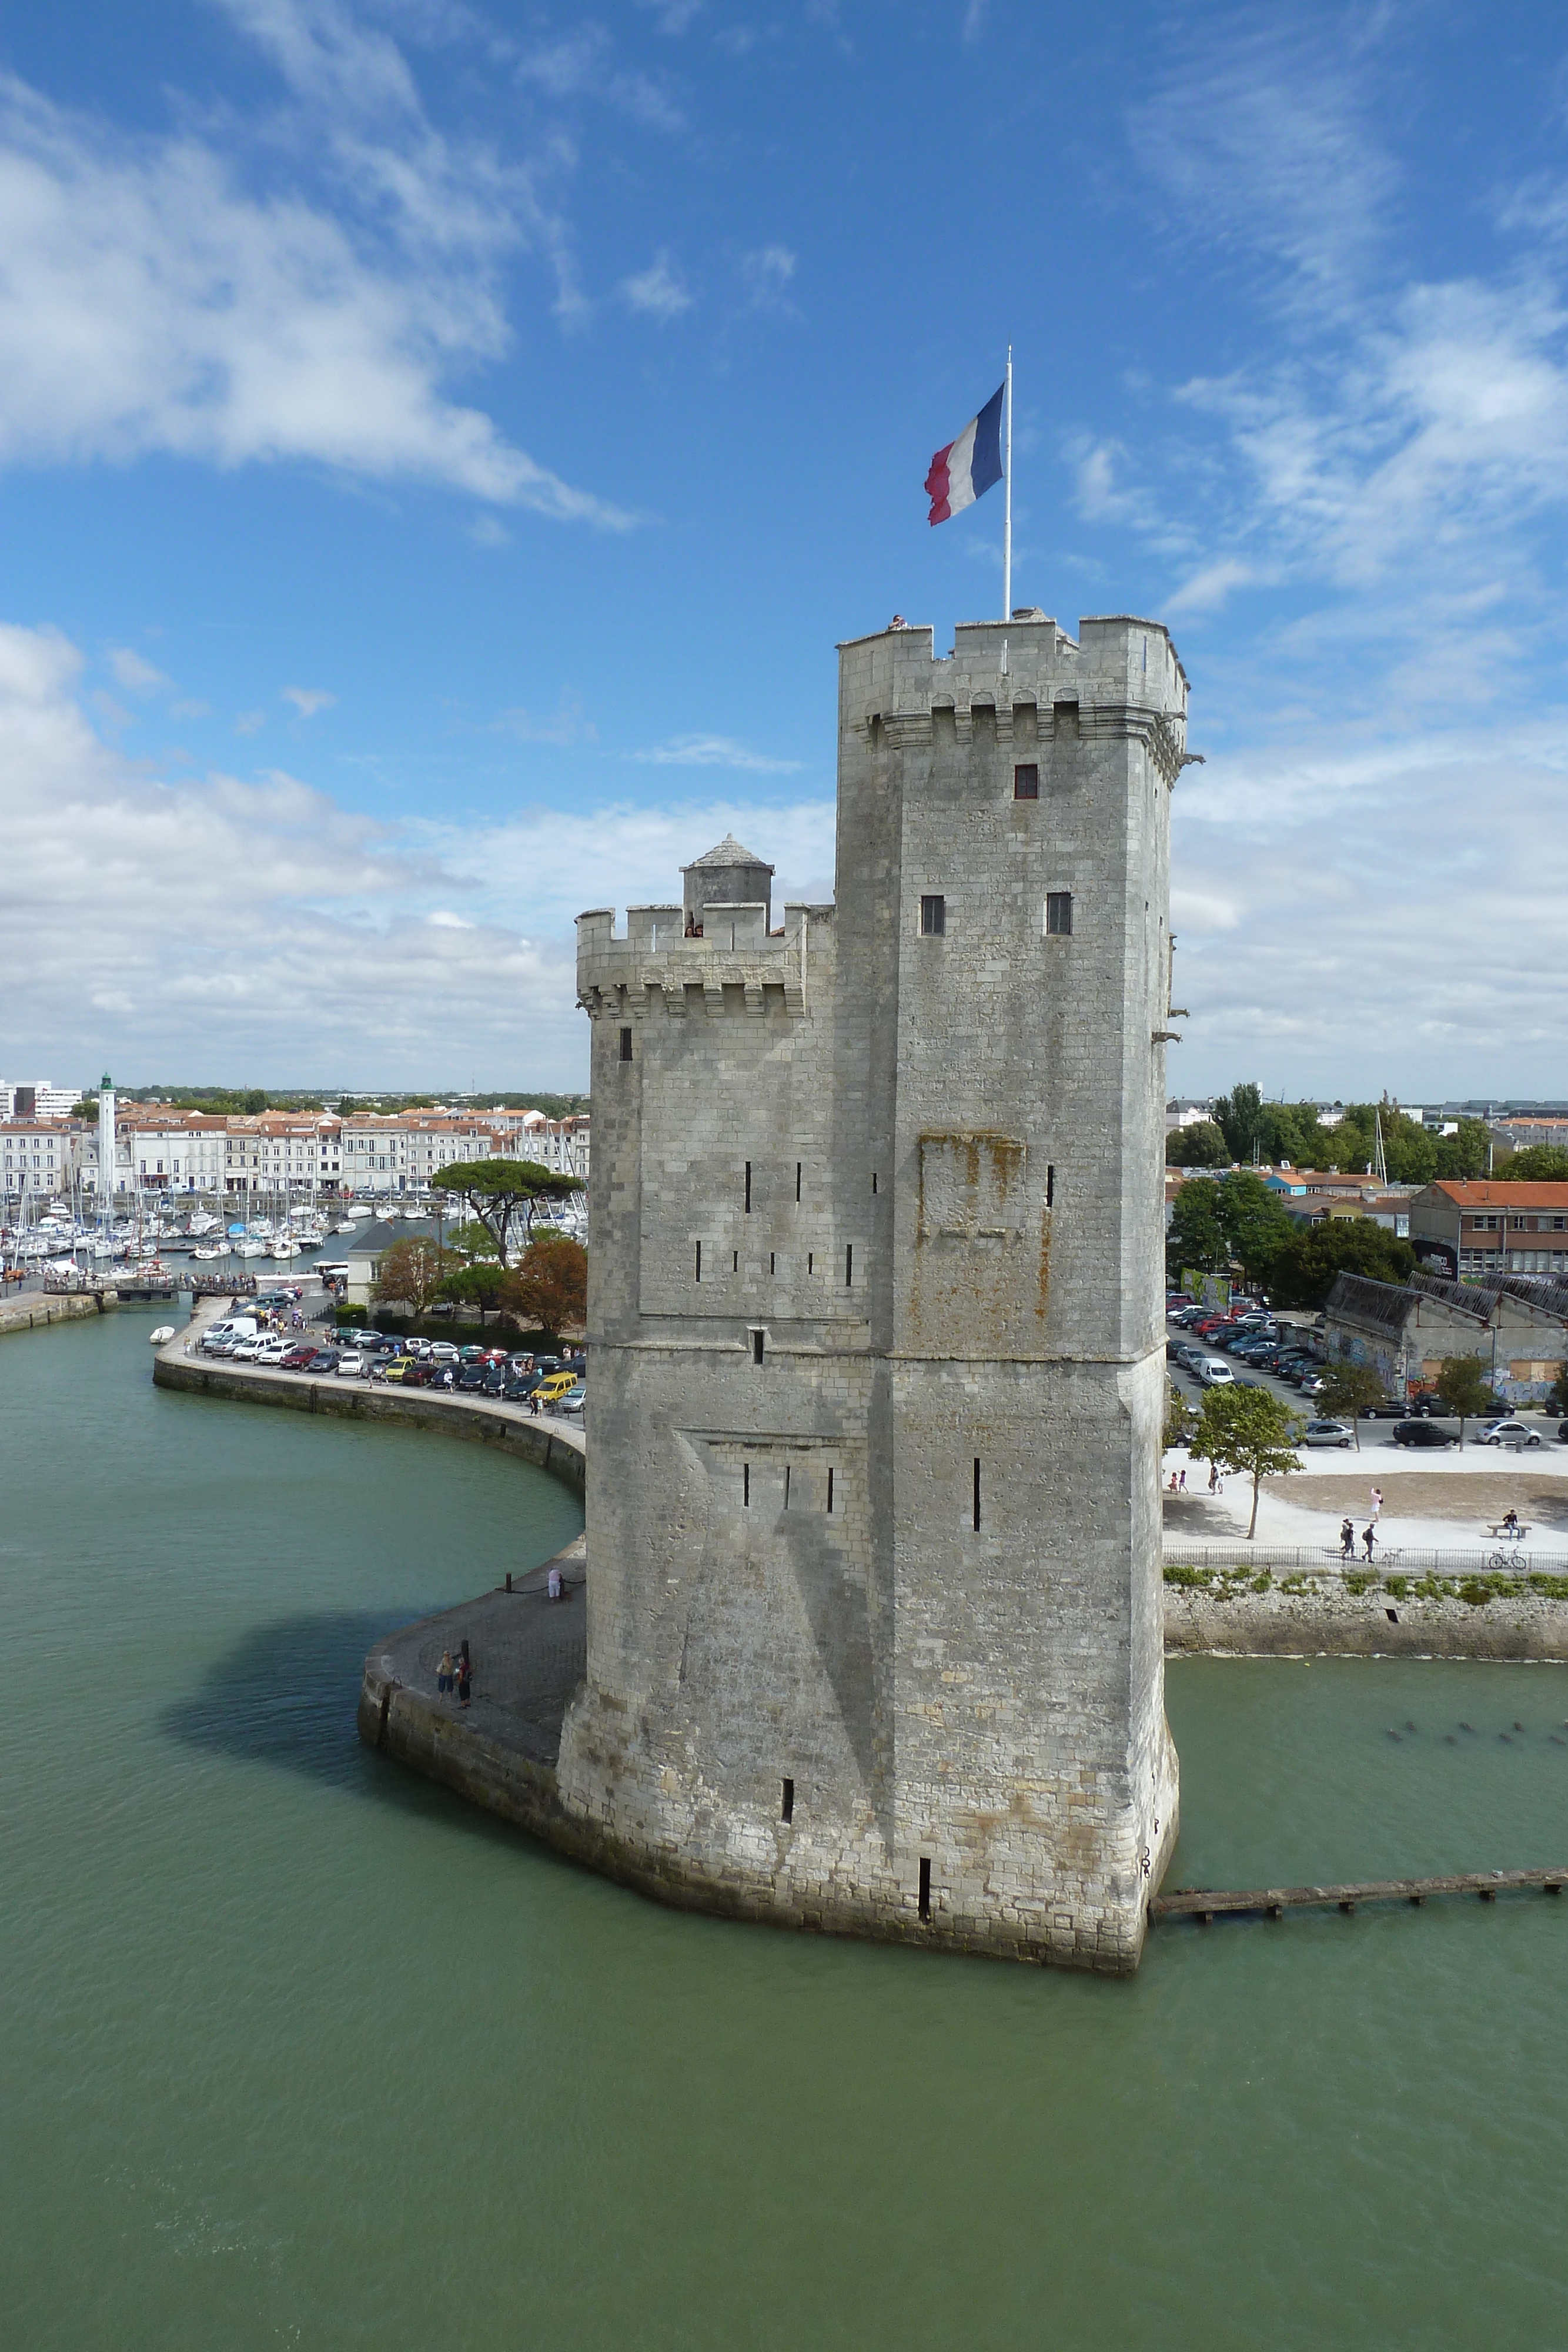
968,467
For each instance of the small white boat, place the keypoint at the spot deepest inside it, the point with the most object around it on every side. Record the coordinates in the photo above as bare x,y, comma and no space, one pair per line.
251,1249
164,1331
207,1252
284,1248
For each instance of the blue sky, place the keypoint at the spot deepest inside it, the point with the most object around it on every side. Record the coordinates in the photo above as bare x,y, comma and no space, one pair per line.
441,445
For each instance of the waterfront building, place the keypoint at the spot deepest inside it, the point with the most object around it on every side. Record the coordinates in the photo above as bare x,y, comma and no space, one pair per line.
40,1100
875,1330
38,1159
1518,1329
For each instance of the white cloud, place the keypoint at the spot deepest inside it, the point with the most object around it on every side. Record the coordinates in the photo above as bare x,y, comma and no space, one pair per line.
131,672
657,290
579,66
250,723
308,700
766,274
566,724
151,301
713,751
1208,587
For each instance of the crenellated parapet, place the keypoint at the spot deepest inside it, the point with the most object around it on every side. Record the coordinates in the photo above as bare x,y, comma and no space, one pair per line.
1027,679
655,958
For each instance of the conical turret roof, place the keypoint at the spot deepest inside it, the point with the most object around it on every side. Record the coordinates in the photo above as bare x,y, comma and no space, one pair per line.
727,852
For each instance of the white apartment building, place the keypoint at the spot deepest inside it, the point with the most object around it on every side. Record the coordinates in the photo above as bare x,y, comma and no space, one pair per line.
400,1151
37,1158
40,1100
283,1151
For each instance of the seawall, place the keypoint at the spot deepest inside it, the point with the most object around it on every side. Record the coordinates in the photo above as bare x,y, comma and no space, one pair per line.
551,1445
34,1310
1330,1619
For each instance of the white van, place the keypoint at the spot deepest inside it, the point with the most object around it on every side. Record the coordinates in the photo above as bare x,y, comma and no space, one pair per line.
232,1327
1216,1373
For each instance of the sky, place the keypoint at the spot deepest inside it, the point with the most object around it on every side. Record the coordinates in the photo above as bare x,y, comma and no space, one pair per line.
441,446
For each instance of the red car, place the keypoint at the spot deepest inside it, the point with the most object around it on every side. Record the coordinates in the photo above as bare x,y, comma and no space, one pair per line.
297,1359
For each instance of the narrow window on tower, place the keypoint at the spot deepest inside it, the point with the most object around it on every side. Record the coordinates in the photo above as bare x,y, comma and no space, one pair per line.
976,1494
796,1180
736,1267
810,1261
626,1044
933,917
830,1490
748,1187
787,1810
1025,782
925,1886
757,1347
746,1485
874,1180
1059,914
786,1485
849,1265
1050,1185
699,1260
772,1261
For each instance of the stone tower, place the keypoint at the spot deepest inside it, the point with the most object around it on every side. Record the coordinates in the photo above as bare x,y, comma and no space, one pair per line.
875,1329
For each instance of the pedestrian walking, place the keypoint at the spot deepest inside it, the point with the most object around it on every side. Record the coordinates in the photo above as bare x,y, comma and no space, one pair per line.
1367,1534
465,1676
1181,1489
1347,1539
554,1584
443,1673
1377,1504
1213,1478
1173,1485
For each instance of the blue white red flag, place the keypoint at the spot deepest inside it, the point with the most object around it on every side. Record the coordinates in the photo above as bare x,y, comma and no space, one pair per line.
968,467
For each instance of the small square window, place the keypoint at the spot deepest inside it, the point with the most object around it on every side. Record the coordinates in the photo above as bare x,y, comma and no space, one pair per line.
933,917
1059,914
1025,782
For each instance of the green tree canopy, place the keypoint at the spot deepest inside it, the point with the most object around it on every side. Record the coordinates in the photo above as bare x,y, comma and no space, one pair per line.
503,1193
1248,1430
1538,1164
413,1271
1181,1419
1464,1388
1233,1219
1197,1235
482,1284
1240,1117
549,1286
1201,1145
1468,1152
1304,1270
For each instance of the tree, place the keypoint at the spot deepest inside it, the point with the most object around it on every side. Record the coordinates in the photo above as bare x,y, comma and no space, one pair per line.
1538,1164
1248,1431
1465,1390
1467,1152
1197,1235
1241,1117
1180,1419
1256,1221
413,1271
1303,1273
549,1286
1348,1391
500,1192
481,1284
1200,1144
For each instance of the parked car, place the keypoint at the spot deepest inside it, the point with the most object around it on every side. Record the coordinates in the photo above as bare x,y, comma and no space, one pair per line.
555,1385
1329,1433
351,1364
1510,1432
243,1350
1215,1372
298,1357
472,1376
495,1378
1422,1433
572,1402
1390,1409
325,1360
1429,1407
469,1355
398,1370
271,1351
1562,1433
443,1352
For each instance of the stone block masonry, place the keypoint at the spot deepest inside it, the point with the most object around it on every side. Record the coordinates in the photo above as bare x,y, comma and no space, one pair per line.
876,1354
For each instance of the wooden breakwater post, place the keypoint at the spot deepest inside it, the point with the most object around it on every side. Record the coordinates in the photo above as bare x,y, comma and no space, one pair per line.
1204,1904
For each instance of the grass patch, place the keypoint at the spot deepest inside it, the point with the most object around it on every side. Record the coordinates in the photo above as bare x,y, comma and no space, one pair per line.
1398,1586
1189,1576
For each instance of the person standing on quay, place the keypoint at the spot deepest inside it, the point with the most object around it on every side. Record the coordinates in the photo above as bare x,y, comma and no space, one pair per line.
465,1676
1346,1540
1368,1534
1377,1504
443,1673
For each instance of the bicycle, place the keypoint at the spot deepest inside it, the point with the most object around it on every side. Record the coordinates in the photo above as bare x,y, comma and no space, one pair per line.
1512,1560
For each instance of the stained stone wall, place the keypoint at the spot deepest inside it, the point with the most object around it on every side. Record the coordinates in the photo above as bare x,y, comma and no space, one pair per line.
876,1351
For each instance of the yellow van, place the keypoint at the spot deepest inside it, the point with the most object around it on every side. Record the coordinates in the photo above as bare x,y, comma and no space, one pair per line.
554,1386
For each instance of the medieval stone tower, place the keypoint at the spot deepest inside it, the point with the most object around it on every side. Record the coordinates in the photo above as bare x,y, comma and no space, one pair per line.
875,1332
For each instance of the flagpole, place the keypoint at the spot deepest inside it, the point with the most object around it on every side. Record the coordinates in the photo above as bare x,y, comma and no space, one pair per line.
1007,509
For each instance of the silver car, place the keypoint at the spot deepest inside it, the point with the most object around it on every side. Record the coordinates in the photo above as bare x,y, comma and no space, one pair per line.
1329,1433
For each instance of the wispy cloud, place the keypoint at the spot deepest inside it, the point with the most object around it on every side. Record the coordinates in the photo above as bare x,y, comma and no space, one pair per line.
150,304
569,724
713,751
138,677
657,290
766,275
308,700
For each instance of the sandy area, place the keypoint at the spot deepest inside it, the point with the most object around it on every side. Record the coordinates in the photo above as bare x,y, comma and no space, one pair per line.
1441,1500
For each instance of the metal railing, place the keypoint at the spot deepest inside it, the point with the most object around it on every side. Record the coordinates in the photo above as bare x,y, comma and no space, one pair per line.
1326,1560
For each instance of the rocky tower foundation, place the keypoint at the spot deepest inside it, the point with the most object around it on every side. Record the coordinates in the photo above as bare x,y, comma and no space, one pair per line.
875,1338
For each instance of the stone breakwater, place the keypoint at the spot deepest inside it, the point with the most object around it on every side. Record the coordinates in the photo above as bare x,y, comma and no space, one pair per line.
554,1448
1340,1617
34,1310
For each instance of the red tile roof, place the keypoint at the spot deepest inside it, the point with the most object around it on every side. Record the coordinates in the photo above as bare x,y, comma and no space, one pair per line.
1496,1193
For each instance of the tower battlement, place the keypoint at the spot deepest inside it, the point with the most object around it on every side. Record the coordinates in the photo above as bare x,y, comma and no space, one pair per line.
876,1352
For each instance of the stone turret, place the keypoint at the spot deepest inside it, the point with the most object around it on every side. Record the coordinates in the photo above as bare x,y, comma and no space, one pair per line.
877,1354
728,876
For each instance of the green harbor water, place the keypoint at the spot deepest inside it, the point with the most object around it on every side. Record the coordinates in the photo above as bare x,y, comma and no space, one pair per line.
297,2050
